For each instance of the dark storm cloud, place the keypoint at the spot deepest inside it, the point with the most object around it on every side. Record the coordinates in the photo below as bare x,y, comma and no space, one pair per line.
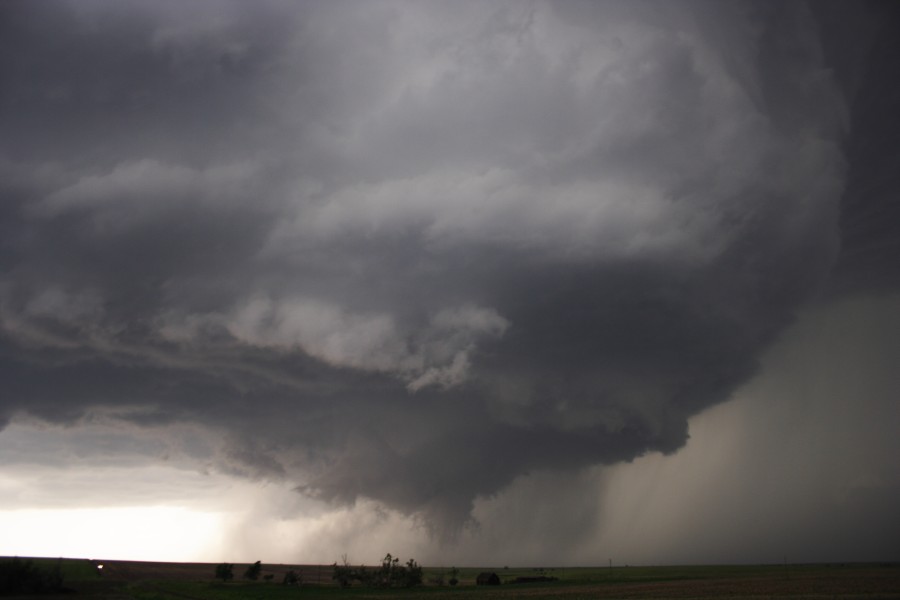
864,49
413,251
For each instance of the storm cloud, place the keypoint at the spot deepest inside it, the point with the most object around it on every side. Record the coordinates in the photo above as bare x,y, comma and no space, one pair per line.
408,253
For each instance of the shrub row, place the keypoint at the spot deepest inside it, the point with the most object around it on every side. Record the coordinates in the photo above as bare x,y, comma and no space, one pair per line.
19,576
390,574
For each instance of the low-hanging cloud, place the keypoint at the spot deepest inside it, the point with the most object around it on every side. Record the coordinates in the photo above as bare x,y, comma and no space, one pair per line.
411,252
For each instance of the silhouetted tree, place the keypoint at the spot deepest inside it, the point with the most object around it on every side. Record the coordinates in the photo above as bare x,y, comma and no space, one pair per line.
412,574
390,574
343,573
225,571
253,571
292,577
390,567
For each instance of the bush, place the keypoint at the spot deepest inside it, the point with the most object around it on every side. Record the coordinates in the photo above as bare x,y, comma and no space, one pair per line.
342,574
412,575
225,571
391,574
253,571
24,577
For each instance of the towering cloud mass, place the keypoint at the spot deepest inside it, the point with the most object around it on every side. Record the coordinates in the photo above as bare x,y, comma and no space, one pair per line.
409,252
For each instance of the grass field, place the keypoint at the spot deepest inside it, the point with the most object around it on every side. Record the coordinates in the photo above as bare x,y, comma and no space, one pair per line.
124,580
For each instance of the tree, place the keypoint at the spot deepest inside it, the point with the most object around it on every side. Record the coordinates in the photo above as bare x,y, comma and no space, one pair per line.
225,571
342,573
390,571
412,575
390,574
292,578
253,571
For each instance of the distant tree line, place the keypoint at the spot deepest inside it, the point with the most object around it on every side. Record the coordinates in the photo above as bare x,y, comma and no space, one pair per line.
390,574
19,576
225,572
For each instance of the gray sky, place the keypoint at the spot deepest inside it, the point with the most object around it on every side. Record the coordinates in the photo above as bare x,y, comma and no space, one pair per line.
521,282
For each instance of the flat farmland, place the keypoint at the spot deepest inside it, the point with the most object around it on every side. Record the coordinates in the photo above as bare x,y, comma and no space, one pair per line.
124,580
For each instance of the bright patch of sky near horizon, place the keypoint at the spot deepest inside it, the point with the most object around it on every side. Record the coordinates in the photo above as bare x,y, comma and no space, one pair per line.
152,533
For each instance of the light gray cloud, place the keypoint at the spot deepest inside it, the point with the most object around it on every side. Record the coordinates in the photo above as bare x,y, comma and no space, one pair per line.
411,253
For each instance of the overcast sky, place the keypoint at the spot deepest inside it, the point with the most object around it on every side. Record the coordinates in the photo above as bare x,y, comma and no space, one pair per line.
477,282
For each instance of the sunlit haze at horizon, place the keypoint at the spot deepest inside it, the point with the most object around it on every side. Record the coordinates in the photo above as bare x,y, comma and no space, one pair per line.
477,283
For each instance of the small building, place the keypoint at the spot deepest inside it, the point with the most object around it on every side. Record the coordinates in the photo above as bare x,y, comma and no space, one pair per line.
486,578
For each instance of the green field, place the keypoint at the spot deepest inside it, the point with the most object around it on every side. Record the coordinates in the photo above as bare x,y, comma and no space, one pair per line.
123,580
